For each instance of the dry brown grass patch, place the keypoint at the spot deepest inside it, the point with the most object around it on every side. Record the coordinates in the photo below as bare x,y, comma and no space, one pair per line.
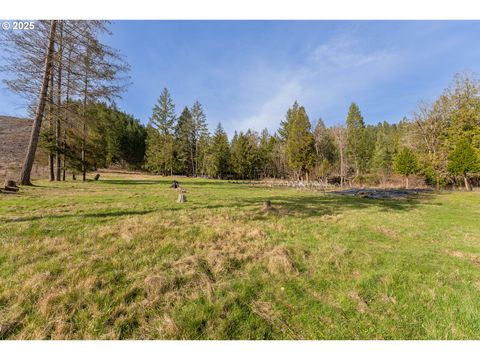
265,310
278,260
390,233
388,299
362,306
460,255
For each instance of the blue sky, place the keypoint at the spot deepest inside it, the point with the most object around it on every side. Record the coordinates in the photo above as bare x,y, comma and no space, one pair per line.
247,74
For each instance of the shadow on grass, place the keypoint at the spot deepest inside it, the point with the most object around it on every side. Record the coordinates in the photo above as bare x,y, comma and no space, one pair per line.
165,182
317,204
88,215
135,182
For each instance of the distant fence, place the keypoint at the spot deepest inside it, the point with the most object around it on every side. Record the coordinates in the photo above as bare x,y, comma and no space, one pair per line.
311,185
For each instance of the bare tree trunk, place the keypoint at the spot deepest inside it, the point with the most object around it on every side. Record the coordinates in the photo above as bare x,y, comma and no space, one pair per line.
341,168
84,126
59,103
192,160
406,182
37,122
468,187
67,99
50,125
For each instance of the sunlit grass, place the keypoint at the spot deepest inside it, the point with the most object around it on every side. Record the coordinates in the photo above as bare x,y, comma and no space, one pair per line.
119,258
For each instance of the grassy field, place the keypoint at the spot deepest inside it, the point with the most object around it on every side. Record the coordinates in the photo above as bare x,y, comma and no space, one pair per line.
119,258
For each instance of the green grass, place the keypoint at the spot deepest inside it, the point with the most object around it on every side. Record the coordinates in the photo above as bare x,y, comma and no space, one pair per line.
119,258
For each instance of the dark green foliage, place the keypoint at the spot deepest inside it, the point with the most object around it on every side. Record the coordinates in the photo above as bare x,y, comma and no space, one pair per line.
184,144
356,137
132,143
300,142
406,162
160,153
463,159
369,154
219,154
245,155
163,115
384,151
113,138
285,124
324,143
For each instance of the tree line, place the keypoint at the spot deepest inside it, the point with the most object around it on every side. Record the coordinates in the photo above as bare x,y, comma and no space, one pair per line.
441,143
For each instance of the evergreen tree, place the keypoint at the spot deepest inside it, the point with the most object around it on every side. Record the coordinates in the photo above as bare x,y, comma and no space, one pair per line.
163,115
266,145
285,124
356,148
160,139
300,144
184,147
245,155
382,162
199,139
324,143
325,150
463,160
406,164
219,154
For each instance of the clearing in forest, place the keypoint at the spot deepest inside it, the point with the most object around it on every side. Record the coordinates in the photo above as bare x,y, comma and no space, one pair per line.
120,258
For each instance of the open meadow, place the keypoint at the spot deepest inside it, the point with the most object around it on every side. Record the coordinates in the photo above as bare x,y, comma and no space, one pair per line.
119,258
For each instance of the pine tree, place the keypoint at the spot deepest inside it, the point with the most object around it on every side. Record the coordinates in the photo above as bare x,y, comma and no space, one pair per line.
163,115
463,160
184,147
325,149
285,124
382,161
245,155
160,139
219,154
406,164
199,138
356,148
266,145
300,144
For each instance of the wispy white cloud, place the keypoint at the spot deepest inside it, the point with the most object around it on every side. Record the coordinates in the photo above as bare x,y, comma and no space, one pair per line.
346,51
271,110
331,73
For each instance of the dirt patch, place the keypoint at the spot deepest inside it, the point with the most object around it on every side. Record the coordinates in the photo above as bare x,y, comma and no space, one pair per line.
388,299
382,193
474,259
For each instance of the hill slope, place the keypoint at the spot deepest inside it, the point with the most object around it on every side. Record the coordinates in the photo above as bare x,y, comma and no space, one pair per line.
14,136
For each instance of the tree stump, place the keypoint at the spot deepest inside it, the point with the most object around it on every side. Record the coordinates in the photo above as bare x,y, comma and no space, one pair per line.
97,177
182,198
11,186
11,183
267,205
